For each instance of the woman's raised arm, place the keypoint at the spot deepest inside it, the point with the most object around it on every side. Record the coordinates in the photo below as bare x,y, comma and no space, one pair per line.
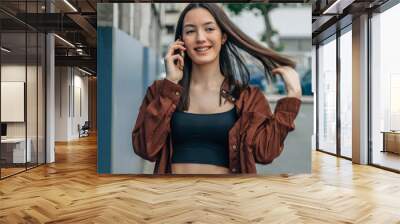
153,121
266,132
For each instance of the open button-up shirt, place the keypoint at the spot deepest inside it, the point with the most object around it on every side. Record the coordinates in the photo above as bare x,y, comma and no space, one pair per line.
256,137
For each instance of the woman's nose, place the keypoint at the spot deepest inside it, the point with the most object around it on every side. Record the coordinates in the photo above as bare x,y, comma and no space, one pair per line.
201,37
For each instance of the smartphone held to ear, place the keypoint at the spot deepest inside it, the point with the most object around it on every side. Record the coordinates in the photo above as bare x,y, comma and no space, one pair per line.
181,53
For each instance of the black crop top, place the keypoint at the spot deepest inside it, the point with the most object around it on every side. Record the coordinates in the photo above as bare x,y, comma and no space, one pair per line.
202,138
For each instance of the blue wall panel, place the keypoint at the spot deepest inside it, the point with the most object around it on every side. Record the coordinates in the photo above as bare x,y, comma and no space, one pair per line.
104,90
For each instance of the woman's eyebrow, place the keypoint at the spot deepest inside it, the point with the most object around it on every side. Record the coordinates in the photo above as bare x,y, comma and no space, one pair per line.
204,24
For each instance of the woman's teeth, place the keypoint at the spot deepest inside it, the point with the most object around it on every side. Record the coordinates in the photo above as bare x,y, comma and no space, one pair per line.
202,49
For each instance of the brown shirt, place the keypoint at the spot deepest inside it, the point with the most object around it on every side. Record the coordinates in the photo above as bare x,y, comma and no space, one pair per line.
256,137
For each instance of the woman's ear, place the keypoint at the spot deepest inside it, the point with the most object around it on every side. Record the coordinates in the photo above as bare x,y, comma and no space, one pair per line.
224,38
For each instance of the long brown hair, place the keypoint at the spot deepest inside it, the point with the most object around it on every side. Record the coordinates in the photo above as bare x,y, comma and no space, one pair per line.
232,63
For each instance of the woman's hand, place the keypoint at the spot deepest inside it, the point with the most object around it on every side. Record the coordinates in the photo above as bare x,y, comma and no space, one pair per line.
291,79
174,71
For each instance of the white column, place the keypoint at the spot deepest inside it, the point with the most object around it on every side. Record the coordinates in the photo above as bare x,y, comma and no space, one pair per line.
131,19
314,91
115,15
50,99
360,90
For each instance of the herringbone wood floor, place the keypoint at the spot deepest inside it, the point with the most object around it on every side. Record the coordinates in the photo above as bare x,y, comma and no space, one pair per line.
70,191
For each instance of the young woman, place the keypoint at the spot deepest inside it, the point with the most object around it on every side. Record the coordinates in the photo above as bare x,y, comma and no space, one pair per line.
204,118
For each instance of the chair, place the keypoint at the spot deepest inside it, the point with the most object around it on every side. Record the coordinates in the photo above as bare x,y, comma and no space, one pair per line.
84,130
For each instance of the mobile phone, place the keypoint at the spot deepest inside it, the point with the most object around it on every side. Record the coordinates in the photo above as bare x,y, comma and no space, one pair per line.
179,51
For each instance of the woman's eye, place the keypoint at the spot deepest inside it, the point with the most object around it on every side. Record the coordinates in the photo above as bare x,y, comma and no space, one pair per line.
207,29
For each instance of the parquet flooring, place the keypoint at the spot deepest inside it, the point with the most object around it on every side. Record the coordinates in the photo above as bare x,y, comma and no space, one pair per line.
70,191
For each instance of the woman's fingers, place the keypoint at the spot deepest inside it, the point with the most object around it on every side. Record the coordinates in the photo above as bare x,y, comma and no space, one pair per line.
174,61
291,79
174,46
179,58
170,56
281,70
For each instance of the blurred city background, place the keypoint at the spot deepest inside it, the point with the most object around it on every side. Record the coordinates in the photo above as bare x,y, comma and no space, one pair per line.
283,27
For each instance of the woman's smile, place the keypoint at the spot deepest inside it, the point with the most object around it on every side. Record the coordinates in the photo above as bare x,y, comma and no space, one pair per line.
202,50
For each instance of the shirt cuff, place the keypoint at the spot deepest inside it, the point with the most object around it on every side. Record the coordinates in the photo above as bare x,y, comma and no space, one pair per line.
286,111
171,90
288,104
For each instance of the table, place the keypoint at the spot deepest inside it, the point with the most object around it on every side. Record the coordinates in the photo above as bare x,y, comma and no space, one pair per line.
16,147
391,141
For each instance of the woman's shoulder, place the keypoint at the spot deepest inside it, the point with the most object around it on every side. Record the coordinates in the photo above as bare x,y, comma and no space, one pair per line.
164,86
156,84
253,99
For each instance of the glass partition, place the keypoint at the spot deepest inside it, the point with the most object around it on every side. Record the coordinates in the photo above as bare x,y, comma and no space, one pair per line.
327,96
22,77
14,152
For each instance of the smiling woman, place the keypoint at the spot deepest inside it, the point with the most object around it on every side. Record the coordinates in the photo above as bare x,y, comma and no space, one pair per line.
183,124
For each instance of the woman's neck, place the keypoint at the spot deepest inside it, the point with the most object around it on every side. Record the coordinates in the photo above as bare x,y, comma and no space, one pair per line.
207,75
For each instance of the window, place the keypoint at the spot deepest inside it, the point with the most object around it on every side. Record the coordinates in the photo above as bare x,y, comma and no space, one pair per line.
327,96
385,89
346,94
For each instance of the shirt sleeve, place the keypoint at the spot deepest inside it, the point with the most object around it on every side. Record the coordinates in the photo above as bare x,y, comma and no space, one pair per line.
266,132
152,125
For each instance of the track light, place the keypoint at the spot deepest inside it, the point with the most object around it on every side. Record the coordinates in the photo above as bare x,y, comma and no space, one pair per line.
70,5
337,7
84,71
5,50
65,41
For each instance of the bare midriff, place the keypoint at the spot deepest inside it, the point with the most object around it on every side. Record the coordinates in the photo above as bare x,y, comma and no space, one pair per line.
196,168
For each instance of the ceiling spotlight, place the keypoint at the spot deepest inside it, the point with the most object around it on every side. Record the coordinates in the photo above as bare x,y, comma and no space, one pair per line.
79,51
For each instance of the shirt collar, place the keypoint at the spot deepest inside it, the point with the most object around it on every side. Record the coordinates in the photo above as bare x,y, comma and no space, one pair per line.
225,91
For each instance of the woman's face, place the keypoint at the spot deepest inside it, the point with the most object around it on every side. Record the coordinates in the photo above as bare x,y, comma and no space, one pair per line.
202,36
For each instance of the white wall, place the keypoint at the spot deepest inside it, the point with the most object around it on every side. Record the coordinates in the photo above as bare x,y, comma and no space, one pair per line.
12,73
80,83
61,103
68,82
